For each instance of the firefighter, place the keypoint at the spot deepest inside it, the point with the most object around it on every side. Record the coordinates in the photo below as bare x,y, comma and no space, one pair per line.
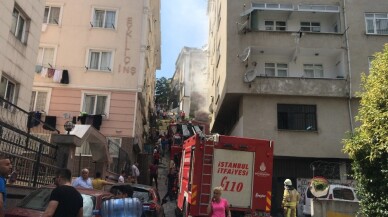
290,199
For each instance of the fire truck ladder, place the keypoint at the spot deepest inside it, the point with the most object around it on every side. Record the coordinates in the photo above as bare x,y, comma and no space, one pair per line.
207,169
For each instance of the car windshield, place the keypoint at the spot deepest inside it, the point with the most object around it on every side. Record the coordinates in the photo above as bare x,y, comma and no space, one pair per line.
39,199
143,195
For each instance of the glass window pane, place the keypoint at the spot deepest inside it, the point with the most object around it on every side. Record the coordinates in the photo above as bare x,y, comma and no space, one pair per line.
100,108
380,16
270,71
20,29
305,23
98,18
89,104
282,73
54,15
268,22
3,86
306,29
15,16
46,13
39,60
10,92
382,26
32,102
269,64
282,65
369,26
94,59
41,101
105,61
309,73
369,15
110,19
48,57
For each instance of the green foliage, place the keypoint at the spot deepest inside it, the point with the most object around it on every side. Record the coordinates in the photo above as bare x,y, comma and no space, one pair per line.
162,91
368,146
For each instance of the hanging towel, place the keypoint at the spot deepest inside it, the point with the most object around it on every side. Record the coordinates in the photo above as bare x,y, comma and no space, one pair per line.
57,75
97,121
50,123
38,68
50,72
43,73
65,77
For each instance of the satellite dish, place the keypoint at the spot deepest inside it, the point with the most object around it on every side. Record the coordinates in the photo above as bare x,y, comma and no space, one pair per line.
250,75
319,186
245,54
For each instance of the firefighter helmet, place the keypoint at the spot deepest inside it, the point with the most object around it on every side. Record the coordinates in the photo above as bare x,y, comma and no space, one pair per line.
287,182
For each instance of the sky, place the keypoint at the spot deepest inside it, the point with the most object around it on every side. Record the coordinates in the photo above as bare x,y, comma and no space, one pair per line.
183,23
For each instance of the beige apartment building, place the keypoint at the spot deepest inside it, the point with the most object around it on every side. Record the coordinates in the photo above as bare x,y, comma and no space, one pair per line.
99,58
189,82
20,23
288,71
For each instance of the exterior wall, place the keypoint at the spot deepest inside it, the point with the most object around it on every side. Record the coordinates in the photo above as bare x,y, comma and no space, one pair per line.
17,59
332,124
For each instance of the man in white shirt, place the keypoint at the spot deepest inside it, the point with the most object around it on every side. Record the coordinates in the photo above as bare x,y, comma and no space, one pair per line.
135,172
121,177
83,181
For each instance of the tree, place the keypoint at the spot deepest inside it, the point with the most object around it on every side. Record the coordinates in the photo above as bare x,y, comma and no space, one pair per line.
368,146
162,91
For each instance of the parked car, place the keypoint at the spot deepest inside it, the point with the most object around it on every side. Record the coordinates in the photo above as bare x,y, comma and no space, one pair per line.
150,198
34,204
336,192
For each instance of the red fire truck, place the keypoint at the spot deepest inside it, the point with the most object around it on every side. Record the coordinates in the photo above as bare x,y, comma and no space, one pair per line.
242,166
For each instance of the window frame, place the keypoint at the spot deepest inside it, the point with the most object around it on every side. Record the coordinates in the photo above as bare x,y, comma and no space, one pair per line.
274,26
310,26
15,30
47,21
315,70
88,59
93,21
15,90
96,93
48,98
276,68
374,18
297,117
47,46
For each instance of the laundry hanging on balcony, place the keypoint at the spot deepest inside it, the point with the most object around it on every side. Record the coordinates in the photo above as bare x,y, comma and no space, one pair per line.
58,75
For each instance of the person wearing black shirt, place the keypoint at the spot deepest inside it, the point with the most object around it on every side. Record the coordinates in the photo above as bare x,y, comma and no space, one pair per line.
65,200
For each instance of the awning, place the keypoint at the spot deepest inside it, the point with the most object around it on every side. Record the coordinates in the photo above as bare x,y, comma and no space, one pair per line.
267,6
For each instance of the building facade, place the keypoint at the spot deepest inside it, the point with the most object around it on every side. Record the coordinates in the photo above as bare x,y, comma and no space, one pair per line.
96,65
288,71
19,42
190,82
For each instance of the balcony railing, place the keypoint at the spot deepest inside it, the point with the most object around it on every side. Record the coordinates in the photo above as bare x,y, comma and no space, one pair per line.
26,140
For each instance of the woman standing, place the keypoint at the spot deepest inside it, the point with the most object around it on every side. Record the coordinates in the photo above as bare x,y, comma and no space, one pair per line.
218,206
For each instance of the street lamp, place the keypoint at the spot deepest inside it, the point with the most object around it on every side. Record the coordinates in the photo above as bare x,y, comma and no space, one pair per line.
68,126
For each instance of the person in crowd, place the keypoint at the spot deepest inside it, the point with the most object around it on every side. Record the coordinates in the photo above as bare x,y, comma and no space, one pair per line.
164,145
218,206
83,181
5,170
98,183
65,200
290,200
123,203
171,176
135,172
154,173
156,156
122,177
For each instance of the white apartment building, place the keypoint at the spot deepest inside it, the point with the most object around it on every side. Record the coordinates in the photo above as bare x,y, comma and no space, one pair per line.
20,23
190,81
99,58
288,71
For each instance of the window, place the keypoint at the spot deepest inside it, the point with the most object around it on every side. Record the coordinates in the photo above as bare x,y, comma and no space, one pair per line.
8,89
376,23
276,69
39,100
19,25
310,27
51,15
95,104
313,70
275,25
297,117
100,60
370,59
343,194
46,56
104,19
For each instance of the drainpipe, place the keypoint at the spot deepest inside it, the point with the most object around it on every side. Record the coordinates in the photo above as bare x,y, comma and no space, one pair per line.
349,69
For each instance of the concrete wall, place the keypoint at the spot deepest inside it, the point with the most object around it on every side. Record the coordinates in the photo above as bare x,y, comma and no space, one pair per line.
331,208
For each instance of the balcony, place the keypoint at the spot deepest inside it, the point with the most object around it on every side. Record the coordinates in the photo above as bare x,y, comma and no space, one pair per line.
292,86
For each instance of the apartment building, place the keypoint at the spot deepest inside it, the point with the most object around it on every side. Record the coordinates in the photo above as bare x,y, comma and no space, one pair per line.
288,71
19,40
189,82
97,62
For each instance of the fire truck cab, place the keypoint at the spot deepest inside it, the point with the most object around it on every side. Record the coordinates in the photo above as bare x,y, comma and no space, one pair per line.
242,166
